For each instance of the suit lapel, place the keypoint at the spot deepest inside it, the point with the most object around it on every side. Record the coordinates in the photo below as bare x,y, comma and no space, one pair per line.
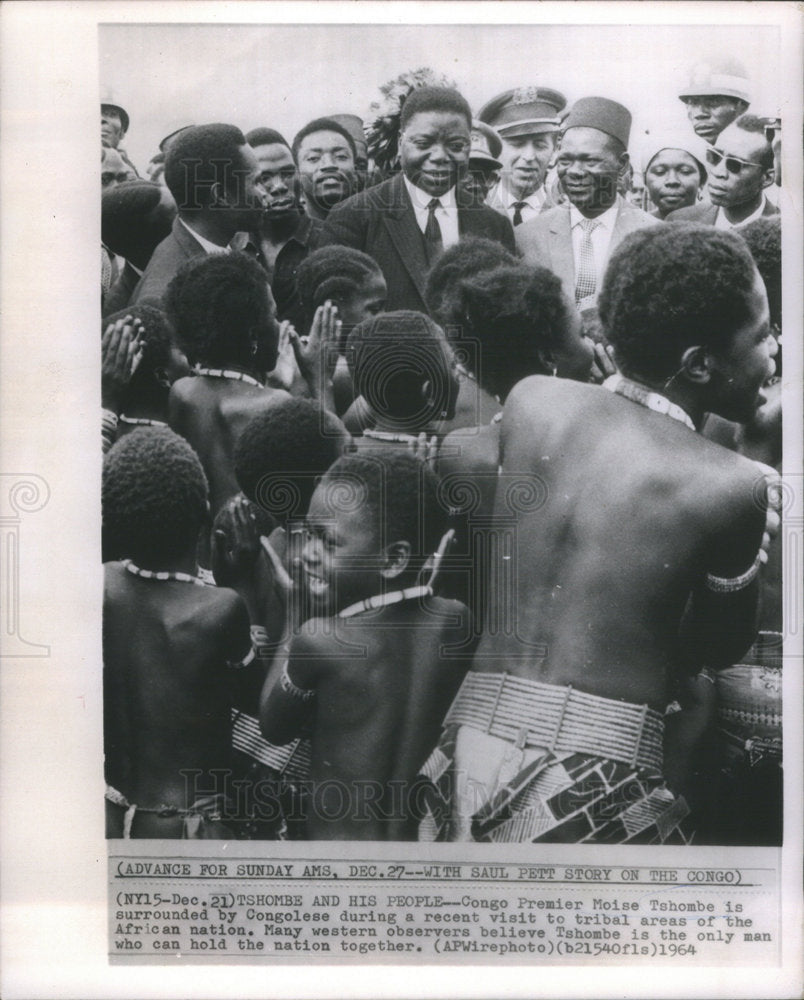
561,257
400,221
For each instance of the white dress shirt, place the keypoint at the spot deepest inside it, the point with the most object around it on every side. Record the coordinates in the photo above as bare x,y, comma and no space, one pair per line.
532,207
446,215
721,222
206,244
601,238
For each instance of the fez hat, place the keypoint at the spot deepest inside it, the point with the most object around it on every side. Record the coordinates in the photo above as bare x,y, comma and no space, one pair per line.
486,146
654,144
354,126
726,78
107,101
604,115
524,111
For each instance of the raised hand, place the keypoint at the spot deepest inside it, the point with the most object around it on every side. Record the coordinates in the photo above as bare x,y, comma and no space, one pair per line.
122,347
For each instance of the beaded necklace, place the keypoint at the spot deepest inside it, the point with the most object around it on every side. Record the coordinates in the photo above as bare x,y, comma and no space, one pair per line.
149,574
141,421
637,393
383,600
399,438
230,374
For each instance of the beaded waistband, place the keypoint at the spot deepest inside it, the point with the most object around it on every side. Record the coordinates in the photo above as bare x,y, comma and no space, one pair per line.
529,713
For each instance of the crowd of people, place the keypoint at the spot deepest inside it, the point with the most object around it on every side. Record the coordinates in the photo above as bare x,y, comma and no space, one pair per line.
439,489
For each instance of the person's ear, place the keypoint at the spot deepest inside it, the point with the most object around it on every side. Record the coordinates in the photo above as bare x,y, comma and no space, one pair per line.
547,360
624,163
768,177
161,377
217,195
395,559
696,365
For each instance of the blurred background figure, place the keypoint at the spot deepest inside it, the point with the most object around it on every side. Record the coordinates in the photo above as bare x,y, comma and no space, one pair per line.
114,169
135,217
484,167
716,94
354,126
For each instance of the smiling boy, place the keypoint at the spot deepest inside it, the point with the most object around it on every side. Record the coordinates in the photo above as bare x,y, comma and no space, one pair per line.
370,672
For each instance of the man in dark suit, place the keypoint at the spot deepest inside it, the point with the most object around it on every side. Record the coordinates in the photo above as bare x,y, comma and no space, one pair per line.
405,222
576,240
214,178
740,165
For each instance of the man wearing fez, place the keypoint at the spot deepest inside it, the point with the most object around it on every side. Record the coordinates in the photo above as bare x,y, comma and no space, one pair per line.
715,96
285,234
405,222
527,120
575,240
740,164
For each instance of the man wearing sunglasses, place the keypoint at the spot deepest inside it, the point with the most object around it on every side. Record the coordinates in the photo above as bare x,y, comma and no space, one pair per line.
740,165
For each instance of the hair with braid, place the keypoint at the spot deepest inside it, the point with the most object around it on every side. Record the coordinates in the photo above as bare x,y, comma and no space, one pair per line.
333,272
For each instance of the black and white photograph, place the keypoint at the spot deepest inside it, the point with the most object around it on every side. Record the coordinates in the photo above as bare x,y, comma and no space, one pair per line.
439,478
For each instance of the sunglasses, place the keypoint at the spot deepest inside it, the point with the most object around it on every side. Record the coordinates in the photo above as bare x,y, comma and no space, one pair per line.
734,164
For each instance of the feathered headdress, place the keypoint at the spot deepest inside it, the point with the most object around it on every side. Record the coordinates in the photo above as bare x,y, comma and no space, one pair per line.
382,135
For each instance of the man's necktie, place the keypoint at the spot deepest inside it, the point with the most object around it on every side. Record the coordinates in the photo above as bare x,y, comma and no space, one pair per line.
518,206
432,232
585,273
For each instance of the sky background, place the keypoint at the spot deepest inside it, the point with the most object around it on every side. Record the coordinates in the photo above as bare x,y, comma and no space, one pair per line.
282,76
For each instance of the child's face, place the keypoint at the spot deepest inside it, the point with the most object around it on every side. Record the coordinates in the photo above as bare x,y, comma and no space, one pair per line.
364,303
342,554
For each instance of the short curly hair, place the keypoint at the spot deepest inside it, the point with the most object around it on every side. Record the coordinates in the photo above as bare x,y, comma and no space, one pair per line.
157,337
199,157
399,493
154,496
332,272
508,314
265,137
322,125
283,451
434,99
673,286
464,259
764,239
214,303
390,358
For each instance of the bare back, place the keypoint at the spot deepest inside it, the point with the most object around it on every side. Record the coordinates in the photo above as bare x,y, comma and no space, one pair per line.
619,514
167,698
211,413
384,682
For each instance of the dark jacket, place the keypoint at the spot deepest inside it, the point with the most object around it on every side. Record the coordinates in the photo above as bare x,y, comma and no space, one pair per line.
382,223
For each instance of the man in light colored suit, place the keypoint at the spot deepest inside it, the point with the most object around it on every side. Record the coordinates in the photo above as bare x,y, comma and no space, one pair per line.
575,240
527,120
740,164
